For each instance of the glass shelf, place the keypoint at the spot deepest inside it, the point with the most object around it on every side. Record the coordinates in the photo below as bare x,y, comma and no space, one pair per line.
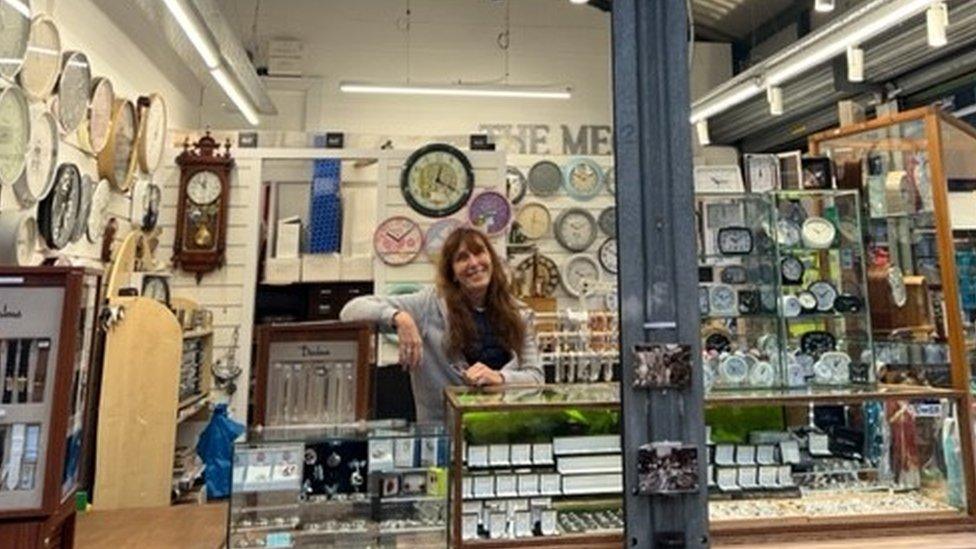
598,395
827,395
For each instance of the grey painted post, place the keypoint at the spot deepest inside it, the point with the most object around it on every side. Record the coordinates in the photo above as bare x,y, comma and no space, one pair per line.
658,267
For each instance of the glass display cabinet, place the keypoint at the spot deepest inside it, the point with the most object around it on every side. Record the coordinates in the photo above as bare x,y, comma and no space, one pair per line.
47,318
376,484
536,466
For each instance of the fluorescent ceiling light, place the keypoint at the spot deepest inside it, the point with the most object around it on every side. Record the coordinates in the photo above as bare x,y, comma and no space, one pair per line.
232,91
460,90
855,64
701,128
774,95
936,23
579,1
20,6
197,34
824,6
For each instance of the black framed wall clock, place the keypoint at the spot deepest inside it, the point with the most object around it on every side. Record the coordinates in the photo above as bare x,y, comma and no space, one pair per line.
437,180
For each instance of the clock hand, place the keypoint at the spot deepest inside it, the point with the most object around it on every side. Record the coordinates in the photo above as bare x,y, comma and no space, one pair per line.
391,235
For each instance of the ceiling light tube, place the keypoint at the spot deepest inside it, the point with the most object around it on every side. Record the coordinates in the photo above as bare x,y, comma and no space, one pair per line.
936,23
855,64
196,32
20,6
824,6
774,95
853,27
701,128
579,1
460,90
232,91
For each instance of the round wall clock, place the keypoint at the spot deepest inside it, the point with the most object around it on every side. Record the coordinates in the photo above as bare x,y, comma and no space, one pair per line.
153,126
490,212
583,178
398,241
515,184
115,161
534,220
818,233
98,129
74,90
40,160
825,292
607,221
437,180
15,123
437,234
575,229
545,178
18,239
537,276
791,269
42,64
98,217
57,213
15,26
608,255
733,369
762,374
580,271
610,180
146,196
84,208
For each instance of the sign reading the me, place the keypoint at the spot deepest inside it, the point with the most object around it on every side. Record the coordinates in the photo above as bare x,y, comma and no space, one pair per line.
564,139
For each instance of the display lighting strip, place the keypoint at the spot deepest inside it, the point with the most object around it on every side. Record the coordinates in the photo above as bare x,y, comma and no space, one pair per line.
847,32
460,90
210,54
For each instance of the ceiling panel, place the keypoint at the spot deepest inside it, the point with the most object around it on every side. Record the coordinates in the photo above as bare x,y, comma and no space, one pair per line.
736,18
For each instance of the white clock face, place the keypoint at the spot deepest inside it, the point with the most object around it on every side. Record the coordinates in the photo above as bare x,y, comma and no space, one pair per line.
762,374
825,294
43,60
580,271
818,233
722,300
583,179
204,187
124,128
763,172
74,90
534,220
41,156
787,233
100,114
98,217
154,134
14,133
576,229
608,255
15,22
26,240
733,369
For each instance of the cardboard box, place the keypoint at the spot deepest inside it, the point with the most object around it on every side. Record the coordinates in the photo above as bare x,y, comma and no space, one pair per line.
284,270
289,237
321,267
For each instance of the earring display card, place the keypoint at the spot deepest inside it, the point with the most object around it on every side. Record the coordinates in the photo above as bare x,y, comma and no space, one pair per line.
469,526
667,468
381,454
484,486
748,478
477,456
24,364
769,477
819,444
784,476
662,366
498,455
506,486
528,484
727,479
521,455
725,454
766,454
745,454
405,452
790,452
542,454
550,484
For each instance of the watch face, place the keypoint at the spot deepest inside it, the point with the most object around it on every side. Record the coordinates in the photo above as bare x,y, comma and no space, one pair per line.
817,342
398,241
100,113
58,212
98,216
74,90
735,240
787,233
734,274
791,270
204,187
608,255
84,208
437,234
515,184
808,301
154,125
583,178
790,306
537,276
762,374
722,300
15,24
818,233
545,178
40,159
896,281
580,271
534,220
762,171
608,221
733,369
490,212
42,64
156,287
14,133
825,292
575,229
437,180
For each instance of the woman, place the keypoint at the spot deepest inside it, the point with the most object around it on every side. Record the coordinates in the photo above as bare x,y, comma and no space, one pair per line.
469,329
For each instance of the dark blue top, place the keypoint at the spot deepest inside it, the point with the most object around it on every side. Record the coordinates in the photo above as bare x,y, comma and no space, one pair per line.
487,349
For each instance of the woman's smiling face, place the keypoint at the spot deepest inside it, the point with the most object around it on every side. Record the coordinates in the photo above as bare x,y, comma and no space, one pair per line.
472,268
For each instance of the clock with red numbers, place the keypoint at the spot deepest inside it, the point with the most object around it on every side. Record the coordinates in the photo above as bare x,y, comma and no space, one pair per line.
398,241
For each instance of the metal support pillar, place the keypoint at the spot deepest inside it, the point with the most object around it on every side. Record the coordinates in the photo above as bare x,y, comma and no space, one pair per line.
658,270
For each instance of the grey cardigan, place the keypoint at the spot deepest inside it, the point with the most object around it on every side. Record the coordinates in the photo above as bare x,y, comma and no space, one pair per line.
437,370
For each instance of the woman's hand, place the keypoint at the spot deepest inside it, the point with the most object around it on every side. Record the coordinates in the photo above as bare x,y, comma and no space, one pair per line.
480,375
410,344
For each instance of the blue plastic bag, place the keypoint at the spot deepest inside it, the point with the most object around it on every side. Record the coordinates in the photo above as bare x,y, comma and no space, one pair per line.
216,448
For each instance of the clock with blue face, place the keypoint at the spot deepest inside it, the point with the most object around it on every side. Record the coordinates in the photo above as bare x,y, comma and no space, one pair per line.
582,178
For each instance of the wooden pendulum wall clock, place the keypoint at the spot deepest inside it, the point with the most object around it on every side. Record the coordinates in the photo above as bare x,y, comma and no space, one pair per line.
201,217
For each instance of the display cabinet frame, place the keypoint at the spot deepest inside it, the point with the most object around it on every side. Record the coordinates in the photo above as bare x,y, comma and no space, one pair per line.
934,121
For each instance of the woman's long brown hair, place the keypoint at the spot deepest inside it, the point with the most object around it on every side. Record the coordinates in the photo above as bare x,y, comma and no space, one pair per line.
501,306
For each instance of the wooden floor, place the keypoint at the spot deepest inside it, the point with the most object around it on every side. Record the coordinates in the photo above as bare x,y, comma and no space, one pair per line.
204,527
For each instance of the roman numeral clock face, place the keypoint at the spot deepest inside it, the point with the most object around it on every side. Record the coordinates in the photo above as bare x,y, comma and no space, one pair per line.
203,189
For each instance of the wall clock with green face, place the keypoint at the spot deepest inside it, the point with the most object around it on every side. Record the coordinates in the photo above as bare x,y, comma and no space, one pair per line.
437,180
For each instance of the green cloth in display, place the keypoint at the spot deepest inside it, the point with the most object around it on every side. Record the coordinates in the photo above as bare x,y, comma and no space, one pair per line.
537,425
732,424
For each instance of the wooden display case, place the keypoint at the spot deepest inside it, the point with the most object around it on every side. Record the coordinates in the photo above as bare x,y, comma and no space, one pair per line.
47,315
312,373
